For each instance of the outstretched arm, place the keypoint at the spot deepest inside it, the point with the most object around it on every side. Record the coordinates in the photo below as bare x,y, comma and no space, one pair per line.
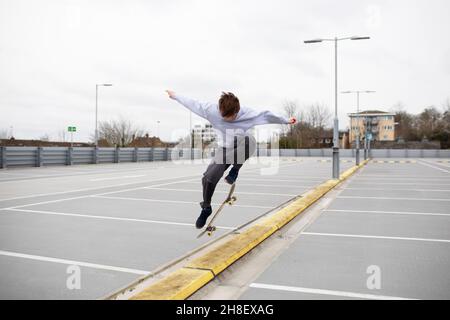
198,108
267,117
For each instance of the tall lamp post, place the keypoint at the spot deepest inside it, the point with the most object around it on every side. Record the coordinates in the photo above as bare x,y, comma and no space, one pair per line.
336,120
358,124
157,127
96,109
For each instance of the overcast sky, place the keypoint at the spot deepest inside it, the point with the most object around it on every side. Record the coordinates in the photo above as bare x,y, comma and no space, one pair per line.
53,52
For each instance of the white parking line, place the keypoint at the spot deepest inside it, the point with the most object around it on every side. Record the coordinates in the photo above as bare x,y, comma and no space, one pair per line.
325,292
396,176
87,196
372,237
434,167
110,218
72,262
115,178
390,212
392,189
71,173
389,198
281,180
176,201
263,185
90,189
398,183
410,179
218,191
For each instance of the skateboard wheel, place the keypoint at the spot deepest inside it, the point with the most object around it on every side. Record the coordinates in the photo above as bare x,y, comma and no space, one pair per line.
209,234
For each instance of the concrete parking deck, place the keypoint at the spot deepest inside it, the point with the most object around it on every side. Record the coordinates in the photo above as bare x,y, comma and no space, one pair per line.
120,222
385,233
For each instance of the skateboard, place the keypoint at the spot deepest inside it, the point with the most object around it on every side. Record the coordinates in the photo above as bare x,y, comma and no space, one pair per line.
210,228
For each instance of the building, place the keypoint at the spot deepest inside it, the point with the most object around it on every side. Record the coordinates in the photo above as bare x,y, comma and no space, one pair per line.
149,142
380,125
206,132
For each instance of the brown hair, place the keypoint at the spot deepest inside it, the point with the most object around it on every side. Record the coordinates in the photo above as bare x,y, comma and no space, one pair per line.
228,104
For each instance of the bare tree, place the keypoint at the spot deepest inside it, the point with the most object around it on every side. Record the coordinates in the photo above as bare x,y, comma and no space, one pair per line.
119,132
290,110
318,115
45,137
62,135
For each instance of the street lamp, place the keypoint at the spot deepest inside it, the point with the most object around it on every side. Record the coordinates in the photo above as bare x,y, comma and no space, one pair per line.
336,120
357,117
96,109
157,127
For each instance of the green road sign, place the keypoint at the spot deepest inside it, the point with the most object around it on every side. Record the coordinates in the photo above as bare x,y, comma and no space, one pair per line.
72,129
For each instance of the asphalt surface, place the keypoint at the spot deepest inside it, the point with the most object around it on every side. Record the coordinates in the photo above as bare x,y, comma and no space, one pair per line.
82,232
385,235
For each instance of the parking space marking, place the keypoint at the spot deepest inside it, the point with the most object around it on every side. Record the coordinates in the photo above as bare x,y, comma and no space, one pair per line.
279,180
440,179
218,191
325,292
356,181
396,176
372,237
391,189
111,218
392,198
71,174
434,167
115,178
72,262
89,195
90,189
265,185
390,212
178,201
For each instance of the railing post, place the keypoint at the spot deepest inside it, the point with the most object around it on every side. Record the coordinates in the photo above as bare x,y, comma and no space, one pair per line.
3,164
96,150
152,154
117,155
136,155
70,156
39,155
166,155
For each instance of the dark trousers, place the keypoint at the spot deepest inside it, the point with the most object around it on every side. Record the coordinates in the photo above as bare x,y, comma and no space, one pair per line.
244,147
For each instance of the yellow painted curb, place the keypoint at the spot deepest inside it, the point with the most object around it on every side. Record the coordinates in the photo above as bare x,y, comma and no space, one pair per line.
223,256
178,285
184,282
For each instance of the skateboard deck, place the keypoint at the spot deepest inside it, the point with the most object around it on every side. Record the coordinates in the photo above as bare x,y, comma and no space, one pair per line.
210,228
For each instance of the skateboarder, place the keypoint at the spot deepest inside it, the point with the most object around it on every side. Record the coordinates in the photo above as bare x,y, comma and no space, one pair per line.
231,123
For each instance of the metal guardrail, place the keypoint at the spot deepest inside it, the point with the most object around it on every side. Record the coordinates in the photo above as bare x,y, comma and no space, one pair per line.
48,156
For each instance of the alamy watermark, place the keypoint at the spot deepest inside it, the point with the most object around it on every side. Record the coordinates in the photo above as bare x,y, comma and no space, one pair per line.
73,281
374,280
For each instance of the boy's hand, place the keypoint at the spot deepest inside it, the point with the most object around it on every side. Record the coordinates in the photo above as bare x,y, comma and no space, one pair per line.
292,120
171,93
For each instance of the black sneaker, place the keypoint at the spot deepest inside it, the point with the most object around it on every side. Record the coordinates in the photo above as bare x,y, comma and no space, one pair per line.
232,176
201,220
